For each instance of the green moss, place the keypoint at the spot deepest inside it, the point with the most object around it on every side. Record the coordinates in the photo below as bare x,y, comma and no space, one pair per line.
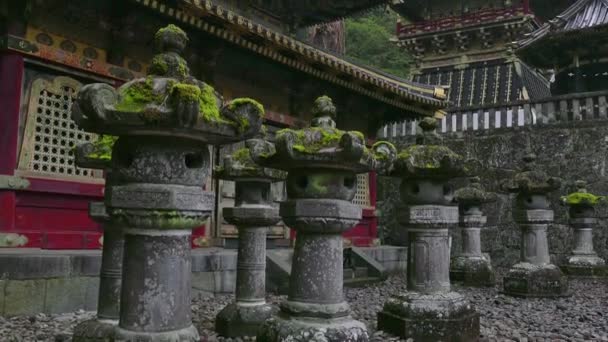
242,155
319,138
359,134
381,156
577,198
425,156
171,29
135,97
186,92
245,100
209,110
102,147
158,66
182,67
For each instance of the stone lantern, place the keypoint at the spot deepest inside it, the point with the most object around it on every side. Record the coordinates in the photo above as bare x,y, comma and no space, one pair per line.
583,262
165,123
253,214
322,164
534,275
472,267
97,155
429,310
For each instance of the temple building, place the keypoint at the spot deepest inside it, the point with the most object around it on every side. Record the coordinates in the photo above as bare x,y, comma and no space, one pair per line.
467,45
50,49
574,45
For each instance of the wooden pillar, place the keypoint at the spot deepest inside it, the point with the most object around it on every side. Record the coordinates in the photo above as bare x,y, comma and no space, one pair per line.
11,75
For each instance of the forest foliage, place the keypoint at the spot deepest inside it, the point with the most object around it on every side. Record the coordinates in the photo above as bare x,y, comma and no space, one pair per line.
368,42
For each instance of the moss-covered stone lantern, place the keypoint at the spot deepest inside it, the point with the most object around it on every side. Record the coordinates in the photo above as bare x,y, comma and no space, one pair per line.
583,262
322,164
470,266
534,275
429,310
253,213
97,155
165,123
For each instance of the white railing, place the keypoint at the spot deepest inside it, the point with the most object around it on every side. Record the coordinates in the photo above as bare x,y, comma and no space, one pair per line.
565,108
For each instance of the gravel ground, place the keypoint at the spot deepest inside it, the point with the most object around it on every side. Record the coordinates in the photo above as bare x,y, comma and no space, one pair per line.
582,317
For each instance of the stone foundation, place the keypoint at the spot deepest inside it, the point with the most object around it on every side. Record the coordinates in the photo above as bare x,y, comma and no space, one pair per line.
445,317
54,282
528,280
471,271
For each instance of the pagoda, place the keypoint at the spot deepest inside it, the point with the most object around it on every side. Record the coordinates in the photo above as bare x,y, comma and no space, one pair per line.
467,45
573,44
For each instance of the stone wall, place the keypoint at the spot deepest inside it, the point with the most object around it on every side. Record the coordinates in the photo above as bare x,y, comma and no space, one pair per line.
577,150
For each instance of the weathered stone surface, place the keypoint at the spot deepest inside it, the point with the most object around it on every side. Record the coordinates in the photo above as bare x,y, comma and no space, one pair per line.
23,296
322,163
164,123
530,280
252,215
433,317
429,311
584,261
569,151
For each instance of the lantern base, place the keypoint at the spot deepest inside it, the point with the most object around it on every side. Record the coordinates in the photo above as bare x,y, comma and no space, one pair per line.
239,320
473,271
189,334
586,266
447,317
95,330
286,328
529,280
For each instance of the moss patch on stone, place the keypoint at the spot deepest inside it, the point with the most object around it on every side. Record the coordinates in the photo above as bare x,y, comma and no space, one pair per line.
317,138
102,147
426,156
186,92
208,107
171,29
158,66
234,104
137,96
381,156
578,198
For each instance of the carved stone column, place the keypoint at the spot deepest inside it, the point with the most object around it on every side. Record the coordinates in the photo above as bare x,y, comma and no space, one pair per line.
165,123
472,267
583,262
322,164
253,214
429,310
103,326
534,275
97,155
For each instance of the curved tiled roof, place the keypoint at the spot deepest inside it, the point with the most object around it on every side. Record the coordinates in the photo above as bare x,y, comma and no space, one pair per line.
582,15
237,29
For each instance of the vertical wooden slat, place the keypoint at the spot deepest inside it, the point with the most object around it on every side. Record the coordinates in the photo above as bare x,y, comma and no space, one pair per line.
414,127
465,121
551,114
576,109
498,118
529,117
486,119
540,117
509,120
455,122
444,122
476,121
603,106
521,116
589,115
563,110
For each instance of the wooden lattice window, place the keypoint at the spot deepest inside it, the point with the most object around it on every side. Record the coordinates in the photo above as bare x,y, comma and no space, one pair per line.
50,133
362,195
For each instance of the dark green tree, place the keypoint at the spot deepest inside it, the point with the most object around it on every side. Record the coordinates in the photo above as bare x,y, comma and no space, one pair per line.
368,42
